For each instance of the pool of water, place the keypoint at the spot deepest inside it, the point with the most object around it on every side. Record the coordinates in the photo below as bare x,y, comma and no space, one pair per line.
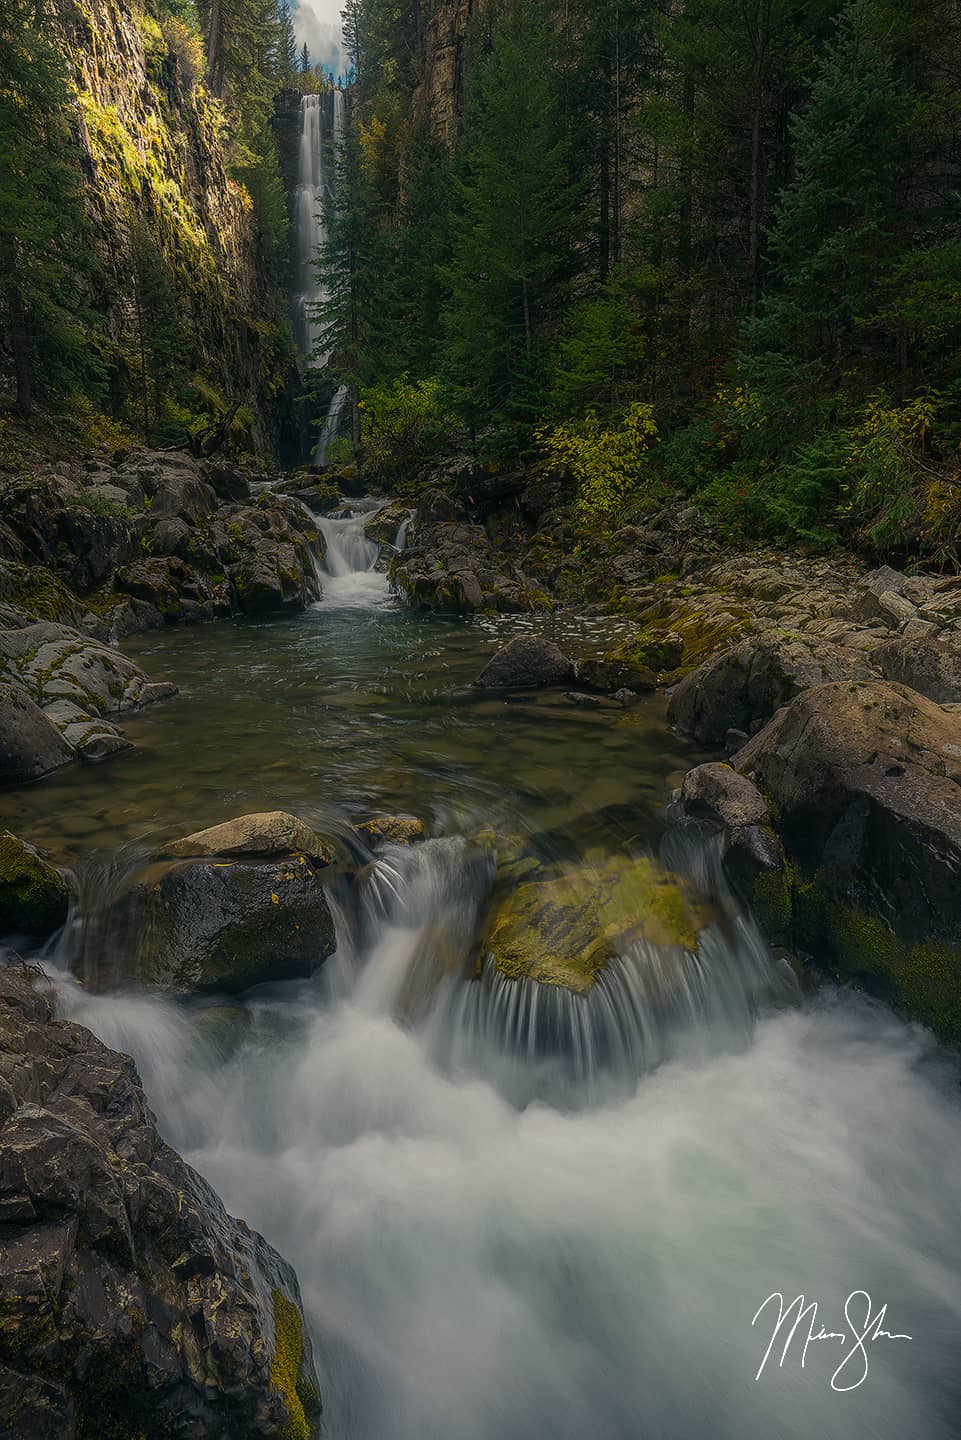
353,708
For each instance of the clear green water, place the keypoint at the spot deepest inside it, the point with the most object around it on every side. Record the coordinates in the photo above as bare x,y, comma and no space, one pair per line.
345,712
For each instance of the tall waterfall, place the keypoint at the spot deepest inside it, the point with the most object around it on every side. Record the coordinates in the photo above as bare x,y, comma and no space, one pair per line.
321,127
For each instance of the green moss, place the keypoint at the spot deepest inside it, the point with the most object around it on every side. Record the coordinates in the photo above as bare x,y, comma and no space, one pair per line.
33,896
285,1370
563,931
923,978
772,901
33,589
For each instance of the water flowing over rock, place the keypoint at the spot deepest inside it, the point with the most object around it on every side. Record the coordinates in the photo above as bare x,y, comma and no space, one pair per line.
131,1302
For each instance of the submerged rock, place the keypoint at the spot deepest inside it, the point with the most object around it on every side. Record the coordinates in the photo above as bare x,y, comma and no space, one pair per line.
866,778
33,894
564,930
132,1304
525,663
626,666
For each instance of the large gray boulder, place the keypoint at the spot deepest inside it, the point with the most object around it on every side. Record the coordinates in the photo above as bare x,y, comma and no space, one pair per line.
866,778
132,1303
741,688
527,662
30,743
931,667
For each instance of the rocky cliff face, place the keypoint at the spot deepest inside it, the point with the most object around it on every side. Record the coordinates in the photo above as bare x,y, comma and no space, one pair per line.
440,93
131,1303
155,158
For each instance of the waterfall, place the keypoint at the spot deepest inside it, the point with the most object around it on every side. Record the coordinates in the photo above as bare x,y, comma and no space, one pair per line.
322,119
351,579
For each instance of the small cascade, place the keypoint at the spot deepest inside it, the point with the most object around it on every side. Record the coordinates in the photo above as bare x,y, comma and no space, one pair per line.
413,950
331,426
350,579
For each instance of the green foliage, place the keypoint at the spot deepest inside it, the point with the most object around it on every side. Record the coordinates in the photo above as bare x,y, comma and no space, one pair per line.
403,424
609,465
511,228
46,325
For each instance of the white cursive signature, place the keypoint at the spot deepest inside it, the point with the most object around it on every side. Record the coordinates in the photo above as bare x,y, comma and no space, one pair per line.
862,1330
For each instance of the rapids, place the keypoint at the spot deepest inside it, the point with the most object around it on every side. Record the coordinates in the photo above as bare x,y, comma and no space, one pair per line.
519,1214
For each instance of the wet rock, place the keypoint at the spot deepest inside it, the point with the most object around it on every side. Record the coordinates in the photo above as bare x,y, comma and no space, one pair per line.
526,662
132,1303
743,687
717,792
931,667
867,781
266,834
626,666
226,924
33,895
30,743
391,829
563,931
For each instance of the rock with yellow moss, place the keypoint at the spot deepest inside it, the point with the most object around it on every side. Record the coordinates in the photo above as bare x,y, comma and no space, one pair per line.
563,930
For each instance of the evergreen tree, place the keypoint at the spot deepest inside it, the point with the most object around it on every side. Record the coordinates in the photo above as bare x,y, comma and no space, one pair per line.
834,235
287,47
305,61
42,223
510,228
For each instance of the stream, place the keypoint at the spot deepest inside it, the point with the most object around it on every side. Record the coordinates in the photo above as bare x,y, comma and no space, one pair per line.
493,1243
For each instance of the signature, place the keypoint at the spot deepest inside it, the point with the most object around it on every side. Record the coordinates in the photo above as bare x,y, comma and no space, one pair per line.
864,1326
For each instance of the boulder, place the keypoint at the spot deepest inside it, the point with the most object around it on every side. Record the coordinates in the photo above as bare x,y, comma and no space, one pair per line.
741,688
752,856
132,1303
564,930
527,662
267,834
391,830
931,667
33,895
718,793
224,925
866,778
626,666
30,743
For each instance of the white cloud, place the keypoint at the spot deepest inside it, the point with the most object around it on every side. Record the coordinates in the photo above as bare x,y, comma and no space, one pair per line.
318,23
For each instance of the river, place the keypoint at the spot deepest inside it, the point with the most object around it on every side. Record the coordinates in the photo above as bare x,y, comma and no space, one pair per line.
488,1249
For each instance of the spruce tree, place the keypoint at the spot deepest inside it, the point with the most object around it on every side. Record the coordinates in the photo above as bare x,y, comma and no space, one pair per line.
510,228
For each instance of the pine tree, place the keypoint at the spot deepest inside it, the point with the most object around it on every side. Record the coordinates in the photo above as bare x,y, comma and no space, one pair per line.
42,224
305,61
287,47
834,235
510,228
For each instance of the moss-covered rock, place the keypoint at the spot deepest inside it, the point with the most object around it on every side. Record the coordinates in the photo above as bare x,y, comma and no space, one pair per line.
33,895
564,930
391,829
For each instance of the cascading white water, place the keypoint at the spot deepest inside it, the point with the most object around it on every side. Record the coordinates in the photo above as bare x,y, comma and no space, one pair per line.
476,1269
350,578
321,128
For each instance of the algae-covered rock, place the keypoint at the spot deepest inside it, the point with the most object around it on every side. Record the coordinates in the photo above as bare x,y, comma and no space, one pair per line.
564,930
33,895
626,666
392,830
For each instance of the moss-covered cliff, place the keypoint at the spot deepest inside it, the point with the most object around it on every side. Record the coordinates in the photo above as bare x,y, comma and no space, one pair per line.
156,152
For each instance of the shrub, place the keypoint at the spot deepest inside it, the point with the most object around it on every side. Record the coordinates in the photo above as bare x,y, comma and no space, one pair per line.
403,424
606,464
